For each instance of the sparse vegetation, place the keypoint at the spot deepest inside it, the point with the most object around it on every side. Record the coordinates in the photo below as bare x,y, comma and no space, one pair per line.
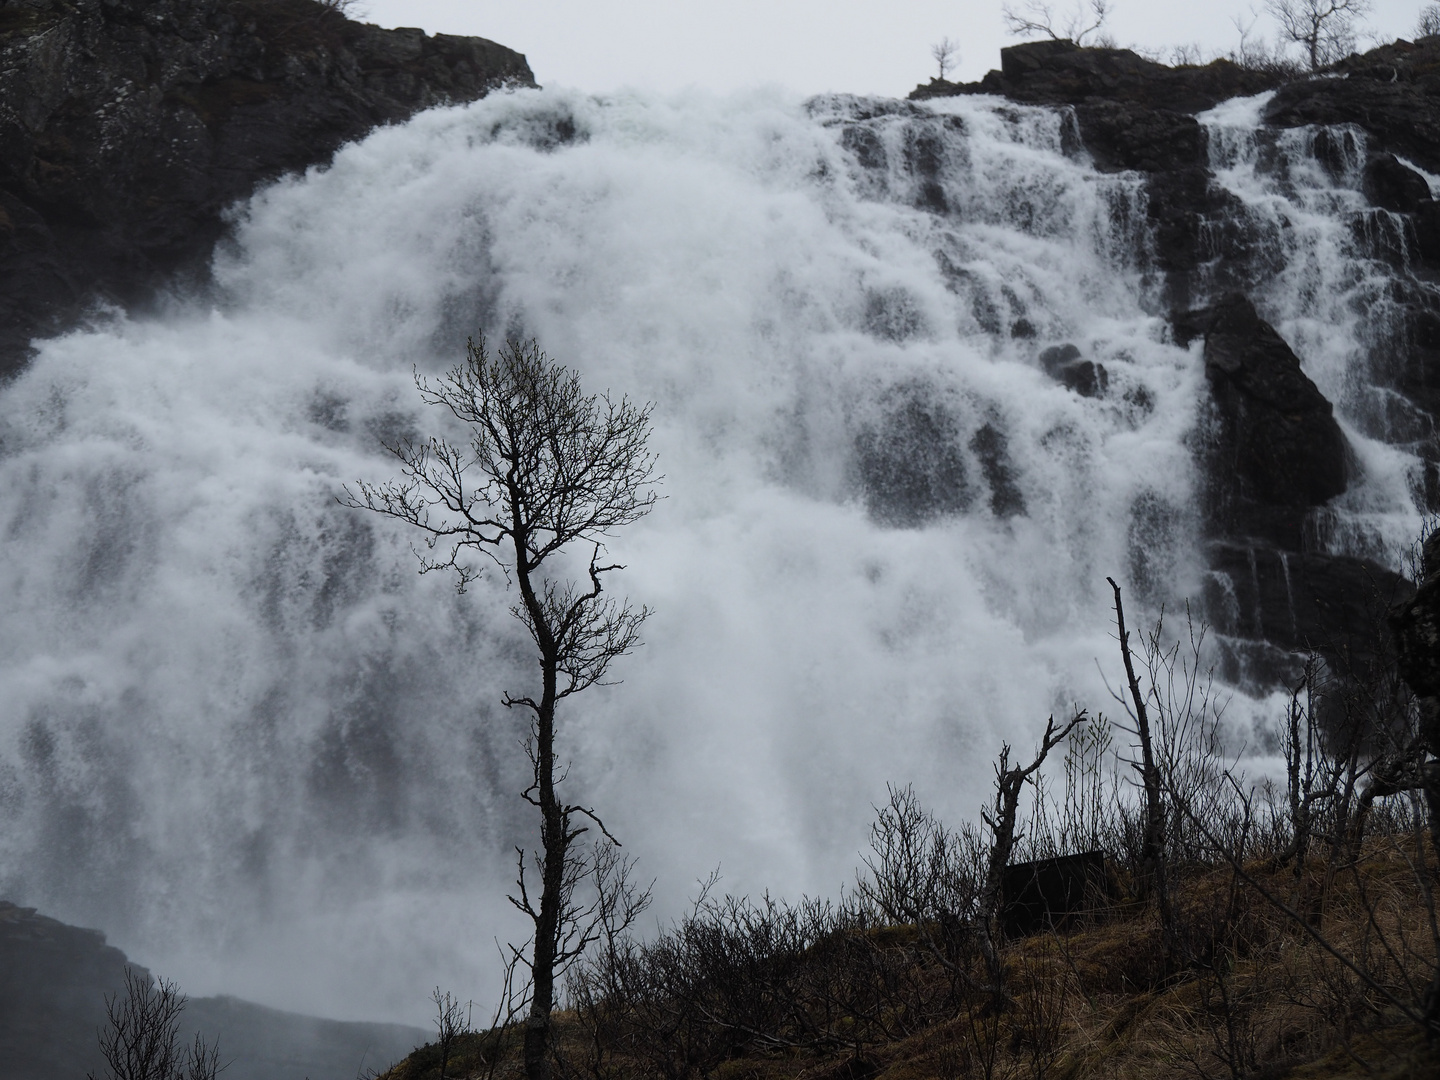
946,54
141,1038
1428,22
1245,928
1082,24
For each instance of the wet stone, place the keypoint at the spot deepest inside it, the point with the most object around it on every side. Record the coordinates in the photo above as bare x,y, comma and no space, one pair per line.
1065,365
1392,186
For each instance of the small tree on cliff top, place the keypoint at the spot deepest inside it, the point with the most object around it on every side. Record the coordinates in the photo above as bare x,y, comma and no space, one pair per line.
546,467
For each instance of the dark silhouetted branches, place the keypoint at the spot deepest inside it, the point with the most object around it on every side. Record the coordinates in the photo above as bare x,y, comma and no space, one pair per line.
543,467
1035,18
141,1038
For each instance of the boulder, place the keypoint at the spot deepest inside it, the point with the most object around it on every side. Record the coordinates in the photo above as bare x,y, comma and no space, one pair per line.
1065,365
128,126
1392,186
1276,444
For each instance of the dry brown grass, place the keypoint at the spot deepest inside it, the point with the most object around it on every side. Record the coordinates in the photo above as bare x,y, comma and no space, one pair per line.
1242,991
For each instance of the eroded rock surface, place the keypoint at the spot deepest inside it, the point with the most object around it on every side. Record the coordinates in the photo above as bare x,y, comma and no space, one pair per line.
127,126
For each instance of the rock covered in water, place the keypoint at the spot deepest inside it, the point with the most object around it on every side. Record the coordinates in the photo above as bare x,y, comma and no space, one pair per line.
127,127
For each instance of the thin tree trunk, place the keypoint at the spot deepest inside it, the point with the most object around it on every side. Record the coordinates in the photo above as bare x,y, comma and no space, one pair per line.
1152,851
554,833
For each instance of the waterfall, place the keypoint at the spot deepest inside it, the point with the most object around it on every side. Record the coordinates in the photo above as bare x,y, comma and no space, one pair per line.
1331,273
915,400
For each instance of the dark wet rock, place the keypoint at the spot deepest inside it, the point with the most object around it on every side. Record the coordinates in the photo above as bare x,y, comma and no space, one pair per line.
1157,533
1063,73
1128,135
1392,186
127,127
1415,362
1334,149
1415,625
53,982
1392,92
1065,365
865,144
1299,601
1276,449
1057,356
991,449
1426,223
910,466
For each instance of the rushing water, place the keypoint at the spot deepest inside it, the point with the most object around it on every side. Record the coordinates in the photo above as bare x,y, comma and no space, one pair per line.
239,731
1323,266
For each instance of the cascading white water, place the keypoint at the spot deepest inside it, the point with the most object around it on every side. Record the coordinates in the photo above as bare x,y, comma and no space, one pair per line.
243,735
1322,266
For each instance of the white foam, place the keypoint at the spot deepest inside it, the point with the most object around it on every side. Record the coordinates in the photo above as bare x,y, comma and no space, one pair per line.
241,732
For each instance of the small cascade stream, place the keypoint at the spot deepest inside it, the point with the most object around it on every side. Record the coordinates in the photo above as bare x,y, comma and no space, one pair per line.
1331,273
915,400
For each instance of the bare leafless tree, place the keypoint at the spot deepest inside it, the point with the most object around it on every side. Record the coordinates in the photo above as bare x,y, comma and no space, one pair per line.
1010,781
545,467
449,1025
946,54
1325,29
1428,24
141,1038
1152,854
1038,17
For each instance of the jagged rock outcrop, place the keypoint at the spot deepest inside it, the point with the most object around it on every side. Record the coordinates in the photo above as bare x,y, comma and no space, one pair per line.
127,127
1132,113
53,982
1392,186
1273,453
1063,73
1276,449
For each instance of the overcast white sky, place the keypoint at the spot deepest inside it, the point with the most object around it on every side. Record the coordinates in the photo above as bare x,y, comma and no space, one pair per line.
859,46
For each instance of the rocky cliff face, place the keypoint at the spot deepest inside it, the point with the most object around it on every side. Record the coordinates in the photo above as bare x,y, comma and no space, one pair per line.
1272,451
127,126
